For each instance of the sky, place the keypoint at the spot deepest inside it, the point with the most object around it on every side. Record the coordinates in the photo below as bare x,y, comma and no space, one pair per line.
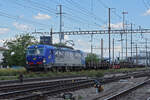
25,16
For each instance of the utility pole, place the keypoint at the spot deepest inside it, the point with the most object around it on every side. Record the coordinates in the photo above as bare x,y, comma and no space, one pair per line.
131,41
113,51
101,49
126,44
91,43
121,47
146,53
109,28
61,34
131,44
136,55
124,31
51,35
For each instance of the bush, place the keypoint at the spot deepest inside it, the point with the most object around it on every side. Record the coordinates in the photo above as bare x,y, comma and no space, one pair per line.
11,72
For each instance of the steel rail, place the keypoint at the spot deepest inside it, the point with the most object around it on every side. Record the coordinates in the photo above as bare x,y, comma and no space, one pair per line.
39,79
20,86
118,95
148,98
104,81
27,91
55,91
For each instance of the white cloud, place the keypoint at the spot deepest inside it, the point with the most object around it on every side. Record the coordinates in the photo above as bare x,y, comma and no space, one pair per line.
4,30
21,16
116,26
147,13
82,45
22,27
42,16
113,26
66,37
56,38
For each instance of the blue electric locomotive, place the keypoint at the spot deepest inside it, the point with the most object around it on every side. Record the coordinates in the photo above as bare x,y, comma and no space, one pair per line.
45,57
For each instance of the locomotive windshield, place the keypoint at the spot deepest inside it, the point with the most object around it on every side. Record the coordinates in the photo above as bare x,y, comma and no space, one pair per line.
35,51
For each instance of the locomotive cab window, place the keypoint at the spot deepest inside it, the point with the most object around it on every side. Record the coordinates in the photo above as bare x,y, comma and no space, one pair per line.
51,52
35,51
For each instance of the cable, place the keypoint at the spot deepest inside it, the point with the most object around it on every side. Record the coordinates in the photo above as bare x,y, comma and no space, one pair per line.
105,6
72,17
18,18
92,15
145,4
81,20
77,20
102,3
148,3
31,7
40,6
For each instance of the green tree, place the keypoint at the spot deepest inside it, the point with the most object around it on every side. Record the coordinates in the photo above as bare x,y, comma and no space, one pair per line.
92,57
16,53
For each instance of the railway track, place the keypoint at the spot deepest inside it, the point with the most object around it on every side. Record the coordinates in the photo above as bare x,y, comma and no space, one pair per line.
34,90
118,95
46,90
148,98
62,77
14,87
38,79
114,95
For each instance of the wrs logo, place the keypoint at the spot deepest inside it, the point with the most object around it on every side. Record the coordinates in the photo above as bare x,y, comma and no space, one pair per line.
34,58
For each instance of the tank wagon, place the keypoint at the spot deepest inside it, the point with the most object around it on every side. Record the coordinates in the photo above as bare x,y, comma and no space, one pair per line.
46,57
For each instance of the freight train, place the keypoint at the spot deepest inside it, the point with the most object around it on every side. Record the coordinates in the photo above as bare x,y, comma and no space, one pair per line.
48,57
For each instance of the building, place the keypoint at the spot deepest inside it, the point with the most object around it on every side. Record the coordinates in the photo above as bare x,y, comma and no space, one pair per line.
2,49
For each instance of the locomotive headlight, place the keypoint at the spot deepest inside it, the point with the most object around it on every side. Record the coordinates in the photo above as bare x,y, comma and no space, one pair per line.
44,60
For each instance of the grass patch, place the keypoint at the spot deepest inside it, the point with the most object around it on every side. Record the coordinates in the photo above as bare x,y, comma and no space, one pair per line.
9,74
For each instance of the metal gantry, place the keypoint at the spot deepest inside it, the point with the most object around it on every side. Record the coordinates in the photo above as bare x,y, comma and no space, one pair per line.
100,32
128,31
109,32
104,32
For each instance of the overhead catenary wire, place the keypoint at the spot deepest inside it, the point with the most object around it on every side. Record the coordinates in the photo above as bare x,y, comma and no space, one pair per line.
41,6
145,4
15,17
71,9
83,19
106,6
84,10
31,7
44,8
77,18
